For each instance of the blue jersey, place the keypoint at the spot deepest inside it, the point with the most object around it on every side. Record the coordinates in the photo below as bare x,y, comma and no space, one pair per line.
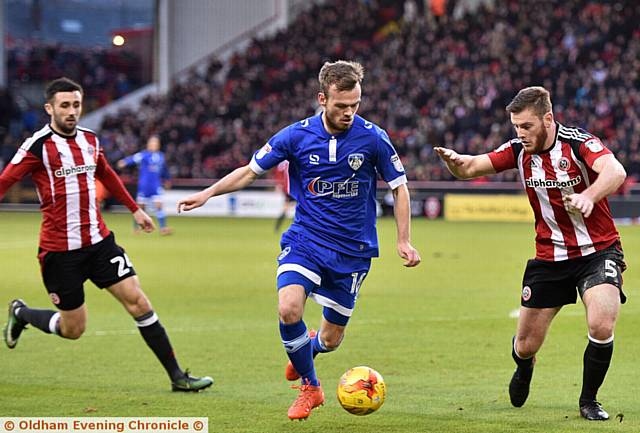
152,172
333,180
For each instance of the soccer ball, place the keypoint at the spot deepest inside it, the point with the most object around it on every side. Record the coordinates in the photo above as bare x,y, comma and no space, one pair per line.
361,390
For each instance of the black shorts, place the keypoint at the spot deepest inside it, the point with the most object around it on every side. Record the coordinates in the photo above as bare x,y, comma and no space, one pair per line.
64,272
554,284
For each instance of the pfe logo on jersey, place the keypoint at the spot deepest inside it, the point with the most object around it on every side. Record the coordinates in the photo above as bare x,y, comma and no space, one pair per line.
356,160
594,145
338,189
54,298
263,151
564,163
284,253
526,293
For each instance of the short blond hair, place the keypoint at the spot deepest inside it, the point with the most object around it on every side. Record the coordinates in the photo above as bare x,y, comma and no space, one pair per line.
343,74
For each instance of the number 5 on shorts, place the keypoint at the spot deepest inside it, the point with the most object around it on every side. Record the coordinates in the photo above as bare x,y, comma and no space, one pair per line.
610,269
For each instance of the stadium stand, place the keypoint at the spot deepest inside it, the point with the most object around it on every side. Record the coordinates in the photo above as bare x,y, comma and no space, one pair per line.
105,73
431,80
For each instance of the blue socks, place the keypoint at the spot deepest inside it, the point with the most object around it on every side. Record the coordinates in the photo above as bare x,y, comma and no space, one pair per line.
162,218
295,339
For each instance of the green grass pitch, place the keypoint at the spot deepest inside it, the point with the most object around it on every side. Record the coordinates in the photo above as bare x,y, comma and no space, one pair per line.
439,334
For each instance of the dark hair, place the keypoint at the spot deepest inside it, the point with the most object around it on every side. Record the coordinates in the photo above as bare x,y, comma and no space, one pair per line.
535,98
62,84
345,75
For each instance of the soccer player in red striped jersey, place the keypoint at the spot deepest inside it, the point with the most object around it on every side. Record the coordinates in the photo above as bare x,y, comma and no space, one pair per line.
567,174
65,161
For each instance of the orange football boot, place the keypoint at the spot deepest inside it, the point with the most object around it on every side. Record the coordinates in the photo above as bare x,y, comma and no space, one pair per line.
309,398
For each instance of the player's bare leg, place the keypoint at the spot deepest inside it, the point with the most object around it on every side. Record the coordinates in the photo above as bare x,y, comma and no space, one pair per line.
64,323
602,305
533,324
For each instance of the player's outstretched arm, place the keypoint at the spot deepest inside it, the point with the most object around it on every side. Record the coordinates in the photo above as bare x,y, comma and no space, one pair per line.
465,166
238,179
402,213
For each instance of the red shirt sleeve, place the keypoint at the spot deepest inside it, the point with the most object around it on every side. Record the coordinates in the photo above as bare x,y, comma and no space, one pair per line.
503,158
593,149
114,185
22,164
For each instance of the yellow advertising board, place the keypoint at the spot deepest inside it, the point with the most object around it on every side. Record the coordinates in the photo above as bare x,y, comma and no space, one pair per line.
487,207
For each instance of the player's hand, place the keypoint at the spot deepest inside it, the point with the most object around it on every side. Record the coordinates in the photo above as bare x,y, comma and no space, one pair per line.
144,221
193,201
410,255
449,156
578,203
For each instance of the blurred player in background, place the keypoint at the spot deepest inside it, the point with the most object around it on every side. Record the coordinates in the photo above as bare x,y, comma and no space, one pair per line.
568,173
65,161
334,158
281,176
152,175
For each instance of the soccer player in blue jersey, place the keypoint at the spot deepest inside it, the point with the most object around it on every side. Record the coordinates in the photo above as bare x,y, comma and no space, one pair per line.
334,160
152,175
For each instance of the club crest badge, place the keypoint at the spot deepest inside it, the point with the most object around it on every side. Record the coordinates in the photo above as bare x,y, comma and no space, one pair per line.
356,160
564,163
54,298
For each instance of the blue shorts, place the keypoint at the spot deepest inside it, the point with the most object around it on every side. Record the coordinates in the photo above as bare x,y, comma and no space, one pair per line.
331,278
149,196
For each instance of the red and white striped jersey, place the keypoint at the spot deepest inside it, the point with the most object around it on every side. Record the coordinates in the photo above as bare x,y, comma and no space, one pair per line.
563,169
64,170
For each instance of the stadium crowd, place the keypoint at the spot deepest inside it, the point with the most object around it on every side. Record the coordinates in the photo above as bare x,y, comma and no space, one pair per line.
105,73
431,81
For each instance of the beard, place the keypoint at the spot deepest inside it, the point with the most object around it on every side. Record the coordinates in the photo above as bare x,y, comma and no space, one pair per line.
60,125
337,126
538,142
541,139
